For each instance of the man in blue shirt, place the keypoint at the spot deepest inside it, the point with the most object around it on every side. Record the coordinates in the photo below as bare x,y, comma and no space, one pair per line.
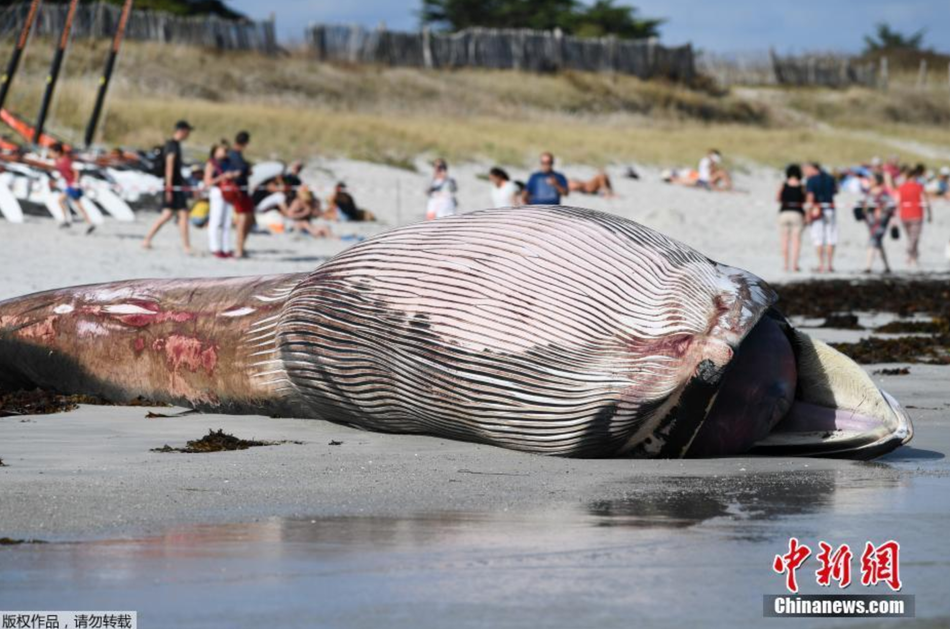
820,190
545,187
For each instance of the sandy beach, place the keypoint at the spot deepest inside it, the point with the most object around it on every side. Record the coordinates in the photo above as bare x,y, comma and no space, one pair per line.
737,228
364,531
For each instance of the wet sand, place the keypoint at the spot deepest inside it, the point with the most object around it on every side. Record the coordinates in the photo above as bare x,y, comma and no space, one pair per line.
416,531
422,532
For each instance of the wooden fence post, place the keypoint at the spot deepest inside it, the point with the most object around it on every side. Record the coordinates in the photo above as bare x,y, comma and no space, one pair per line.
922,75
426,48
883,73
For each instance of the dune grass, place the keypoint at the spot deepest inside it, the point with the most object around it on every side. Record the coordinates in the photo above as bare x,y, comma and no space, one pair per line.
295,107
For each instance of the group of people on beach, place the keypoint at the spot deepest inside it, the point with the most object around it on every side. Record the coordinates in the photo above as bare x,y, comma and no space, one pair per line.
888,192
546,186
895,199
219,196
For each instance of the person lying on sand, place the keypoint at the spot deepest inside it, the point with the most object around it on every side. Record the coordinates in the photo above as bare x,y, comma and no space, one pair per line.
680,177
599,184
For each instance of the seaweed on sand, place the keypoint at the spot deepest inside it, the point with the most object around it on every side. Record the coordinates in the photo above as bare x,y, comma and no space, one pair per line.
842,322
6,541
934,350
901,296
219,441
934,326
40,402
896,371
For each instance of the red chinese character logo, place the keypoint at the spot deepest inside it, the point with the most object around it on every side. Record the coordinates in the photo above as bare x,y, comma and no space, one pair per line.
881,564
790,562
834,565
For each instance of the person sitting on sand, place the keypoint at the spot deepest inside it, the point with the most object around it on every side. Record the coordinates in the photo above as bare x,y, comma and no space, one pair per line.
791,216
878,206
271,195
942,184
712,174
344,206
546,186
63,161
598,184
504,192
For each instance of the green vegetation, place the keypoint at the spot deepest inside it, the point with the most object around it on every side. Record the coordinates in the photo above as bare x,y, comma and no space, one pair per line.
886,38
572,17
297,108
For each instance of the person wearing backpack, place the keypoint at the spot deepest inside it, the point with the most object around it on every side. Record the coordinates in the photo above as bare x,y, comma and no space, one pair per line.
174,196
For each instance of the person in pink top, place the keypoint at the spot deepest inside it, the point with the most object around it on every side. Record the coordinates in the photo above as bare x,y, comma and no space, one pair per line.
913,203
63,162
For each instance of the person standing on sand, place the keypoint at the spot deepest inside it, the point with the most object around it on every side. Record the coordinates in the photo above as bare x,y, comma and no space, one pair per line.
175,198
820,191
217,174
243,205
878,206
913,201
441,192
504,192
547,186
63,162
791,217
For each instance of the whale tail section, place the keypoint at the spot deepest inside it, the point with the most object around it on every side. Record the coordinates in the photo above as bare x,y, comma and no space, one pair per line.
196,342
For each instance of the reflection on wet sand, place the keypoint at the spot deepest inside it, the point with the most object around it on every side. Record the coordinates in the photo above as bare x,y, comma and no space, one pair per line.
664,534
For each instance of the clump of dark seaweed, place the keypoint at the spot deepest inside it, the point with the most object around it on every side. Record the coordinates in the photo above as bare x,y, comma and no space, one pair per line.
219,441
842,322
896,371
40,402
934,326
905,349
904,297
7,541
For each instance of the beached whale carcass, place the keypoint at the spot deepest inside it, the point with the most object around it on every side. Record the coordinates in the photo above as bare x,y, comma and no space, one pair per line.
553,330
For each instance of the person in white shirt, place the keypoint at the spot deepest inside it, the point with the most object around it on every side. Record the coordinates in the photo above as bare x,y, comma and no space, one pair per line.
441,192
711,173
504,192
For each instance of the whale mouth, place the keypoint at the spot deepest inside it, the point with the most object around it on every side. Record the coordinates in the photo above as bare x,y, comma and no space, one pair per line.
787,394
838,411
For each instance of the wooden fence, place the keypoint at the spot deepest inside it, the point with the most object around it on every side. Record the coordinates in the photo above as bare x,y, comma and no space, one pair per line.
824,70
768,68
517,49
100,19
